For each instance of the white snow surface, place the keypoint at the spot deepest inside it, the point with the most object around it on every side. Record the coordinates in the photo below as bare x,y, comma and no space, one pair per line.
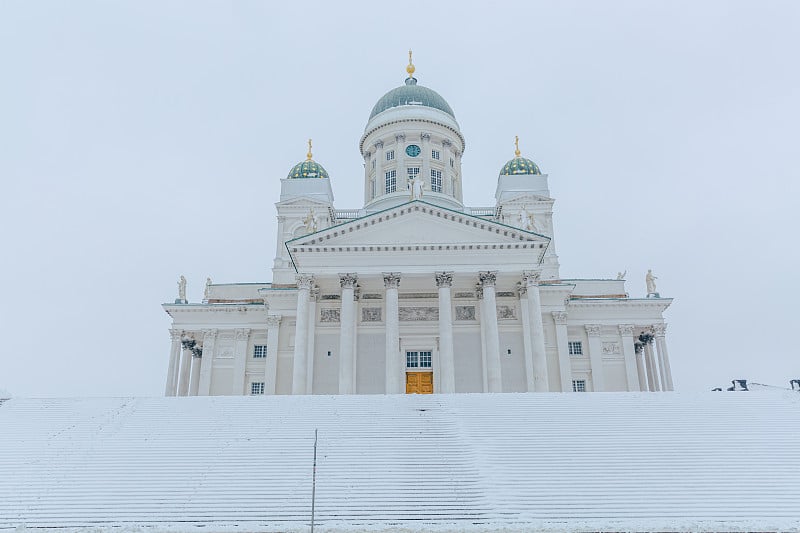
464,462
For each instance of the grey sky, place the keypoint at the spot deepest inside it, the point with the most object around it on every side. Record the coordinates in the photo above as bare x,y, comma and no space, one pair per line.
144,140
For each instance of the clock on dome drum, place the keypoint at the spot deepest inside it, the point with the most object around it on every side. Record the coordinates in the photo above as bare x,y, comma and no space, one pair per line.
413,150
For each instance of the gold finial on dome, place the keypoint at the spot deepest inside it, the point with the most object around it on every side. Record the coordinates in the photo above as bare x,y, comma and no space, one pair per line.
308,155
410,68
516,146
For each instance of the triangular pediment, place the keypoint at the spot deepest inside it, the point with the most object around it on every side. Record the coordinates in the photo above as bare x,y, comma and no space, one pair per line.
418,223
303,201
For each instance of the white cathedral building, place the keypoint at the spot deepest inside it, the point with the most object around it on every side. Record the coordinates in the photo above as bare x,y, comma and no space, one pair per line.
415,292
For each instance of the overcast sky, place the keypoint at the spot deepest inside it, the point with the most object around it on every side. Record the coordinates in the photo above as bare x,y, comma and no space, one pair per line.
144,140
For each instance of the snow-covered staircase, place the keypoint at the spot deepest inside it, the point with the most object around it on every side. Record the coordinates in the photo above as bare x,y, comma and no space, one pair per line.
481,462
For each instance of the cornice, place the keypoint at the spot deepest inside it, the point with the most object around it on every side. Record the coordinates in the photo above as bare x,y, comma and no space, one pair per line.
660,303
406,120
212,308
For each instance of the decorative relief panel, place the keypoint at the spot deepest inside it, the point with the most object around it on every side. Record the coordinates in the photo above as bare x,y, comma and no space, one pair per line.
506,312
418,314
329,315
465,295
506,294
465,312
371,314
611,348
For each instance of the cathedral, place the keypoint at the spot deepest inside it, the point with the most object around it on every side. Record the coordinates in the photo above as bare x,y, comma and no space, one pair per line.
416,292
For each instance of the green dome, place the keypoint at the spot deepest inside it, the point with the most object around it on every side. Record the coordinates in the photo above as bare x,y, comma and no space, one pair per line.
520,166
411,94
307,169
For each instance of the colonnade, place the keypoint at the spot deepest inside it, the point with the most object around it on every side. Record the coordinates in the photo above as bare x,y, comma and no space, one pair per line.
652,365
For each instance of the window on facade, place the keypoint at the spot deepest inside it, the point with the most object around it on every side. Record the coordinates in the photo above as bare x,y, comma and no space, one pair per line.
435,154
418,359
436,180
390,155
578,385
575,347
259,351
413,172
391,181
257,387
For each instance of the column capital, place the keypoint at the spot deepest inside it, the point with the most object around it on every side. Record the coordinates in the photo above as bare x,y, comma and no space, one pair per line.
391,280
660,330
176,334
348,280
400,137
488,278
424,136
446,143
560,317
241,333
304,281
626,330
209,335
313,294
378,144
531,277
443,279
479,291
593,330
522,290
273,321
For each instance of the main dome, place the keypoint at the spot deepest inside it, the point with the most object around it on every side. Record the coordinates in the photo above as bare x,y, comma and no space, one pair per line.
412,94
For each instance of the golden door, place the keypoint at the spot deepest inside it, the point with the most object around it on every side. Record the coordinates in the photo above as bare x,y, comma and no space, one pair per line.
419,382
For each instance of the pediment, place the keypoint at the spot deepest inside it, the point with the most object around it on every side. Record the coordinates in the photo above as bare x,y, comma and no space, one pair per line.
418,223
303,201
417,237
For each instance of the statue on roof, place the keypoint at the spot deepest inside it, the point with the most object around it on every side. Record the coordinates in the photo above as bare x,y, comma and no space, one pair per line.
207,291
182,289
650,281
310,221
621,275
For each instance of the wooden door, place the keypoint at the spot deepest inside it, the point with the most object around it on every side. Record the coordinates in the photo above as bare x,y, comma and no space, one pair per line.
419,382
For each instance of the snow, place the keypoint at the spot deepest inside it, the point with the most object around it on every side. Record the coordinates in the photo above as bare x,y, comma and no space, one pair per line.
467,462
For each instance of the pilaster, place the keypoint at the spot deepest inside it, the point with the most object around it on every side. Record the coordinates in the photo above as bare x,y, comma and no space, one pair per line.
596,356
629,353
660,331
241,336
207,361
525,315
271,364
562,344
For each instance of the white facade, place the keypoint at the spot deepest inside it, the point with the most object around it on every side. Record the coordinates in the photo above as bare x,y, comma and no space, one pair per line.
415,284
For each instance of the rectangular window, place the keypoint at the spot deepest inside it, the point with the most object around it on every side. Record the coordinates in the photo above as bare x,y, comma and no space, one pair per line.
452,163
257,387
391,181
418,359
436,180
578,385
390,155
435,154
575,347
413,172
259,351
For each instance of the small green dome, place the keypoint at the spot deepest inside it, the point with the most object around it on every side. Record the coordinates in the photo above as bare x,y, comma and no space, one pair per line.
411,94
520,166
307,169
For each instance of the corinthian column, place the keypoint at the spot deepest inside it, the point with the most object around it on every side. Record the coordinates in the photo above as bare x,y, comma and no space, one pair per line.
271,364
638,348
174,362
660,331
652,368
527,348
207,362
531,280
379,181
300,363
444,282
394,362
629,353
185,369
562,340
194,378
347,335
596,357
493,373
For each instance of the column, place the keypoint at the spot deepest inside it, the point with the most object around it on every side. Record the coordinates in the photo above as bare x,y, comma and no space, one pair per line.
457,192
638,347
447,175
312,337
531,280
186,364
207,362
425,171
271,364
522,289
174,362
482,311
194,378
494,377
367,172
660,331
596,357
347,334
652,369
300,362
241,336
400,157
447,364
562,343
380,182
629,353
395,363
